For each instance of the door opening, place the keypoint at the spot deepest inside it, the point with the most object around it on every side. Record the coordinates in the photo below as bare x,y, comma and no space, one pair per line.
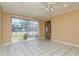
48,29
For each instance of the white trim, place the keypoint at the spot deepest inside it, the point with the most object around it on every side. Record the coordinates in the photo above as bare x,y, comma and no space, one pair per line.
66,11
67,43
6,43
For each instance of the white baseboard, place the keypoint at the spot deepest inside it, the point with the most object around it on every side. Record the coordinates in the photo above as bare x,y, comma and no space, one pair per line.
59,41
6,43
67,43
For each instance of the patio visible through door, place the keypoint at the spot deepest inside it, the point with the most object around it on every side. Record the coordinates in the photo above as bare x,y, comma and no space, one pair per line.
23,29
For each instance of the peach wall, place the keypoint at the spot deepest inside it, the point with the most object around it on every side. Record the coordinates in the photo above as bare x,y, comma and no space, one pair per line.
42,29
6,24
65,27
0,26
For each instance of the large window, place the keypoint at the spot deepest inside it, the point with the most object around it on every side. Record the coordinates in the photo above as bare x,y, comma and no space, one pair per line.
22,26
19,25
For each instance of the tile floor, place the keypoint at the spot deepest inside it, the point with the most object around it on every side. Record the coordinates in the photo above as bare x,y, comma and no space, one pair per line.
38,48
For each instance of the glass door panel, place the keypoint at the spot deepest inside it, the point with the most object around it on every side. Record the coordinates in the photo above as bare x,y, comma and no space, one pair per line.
24,29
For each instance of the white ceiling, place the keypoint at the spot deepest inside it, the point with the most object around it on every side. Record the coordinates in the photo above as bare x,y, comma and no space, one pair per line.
36,9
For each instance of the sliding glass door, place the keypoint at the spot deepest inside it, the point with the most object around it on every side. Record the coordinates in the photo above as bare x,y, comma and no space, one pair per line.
23,29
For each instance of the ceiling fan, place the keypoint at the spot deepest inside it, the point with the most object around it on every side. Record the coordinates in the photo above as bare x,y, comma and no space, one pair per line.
49,7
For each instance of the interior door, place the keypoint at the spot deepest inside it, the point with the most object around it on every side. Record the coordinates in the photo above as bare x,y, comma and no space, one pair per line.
48,29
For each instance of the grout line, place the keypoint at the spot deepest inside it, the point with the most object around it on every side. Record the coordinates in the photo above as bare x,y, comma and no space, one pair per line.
67,51
57,50
77,53
29,49
22,49
15,50
38,48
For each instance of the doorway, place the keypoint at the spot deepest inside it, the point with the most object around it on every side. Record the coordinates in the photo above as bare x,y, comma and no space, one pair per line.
48,29
23,29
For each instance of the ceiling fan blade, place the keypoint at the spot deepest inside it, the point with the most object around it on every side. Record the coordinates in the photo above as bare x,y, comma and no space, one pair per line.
46,5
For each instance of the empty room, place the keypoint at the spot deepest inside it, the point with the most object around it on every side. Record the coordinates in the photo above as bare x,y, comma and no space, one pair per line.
39,28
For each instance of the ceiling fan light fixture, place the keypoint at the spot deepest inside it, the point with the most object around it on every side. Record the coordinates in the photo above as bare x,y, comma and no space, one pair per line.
21,5
50,6
65,5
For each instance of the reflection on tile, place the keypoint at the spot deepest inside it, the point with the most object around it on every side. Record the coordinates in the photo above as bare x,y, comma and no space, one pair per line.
38,48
